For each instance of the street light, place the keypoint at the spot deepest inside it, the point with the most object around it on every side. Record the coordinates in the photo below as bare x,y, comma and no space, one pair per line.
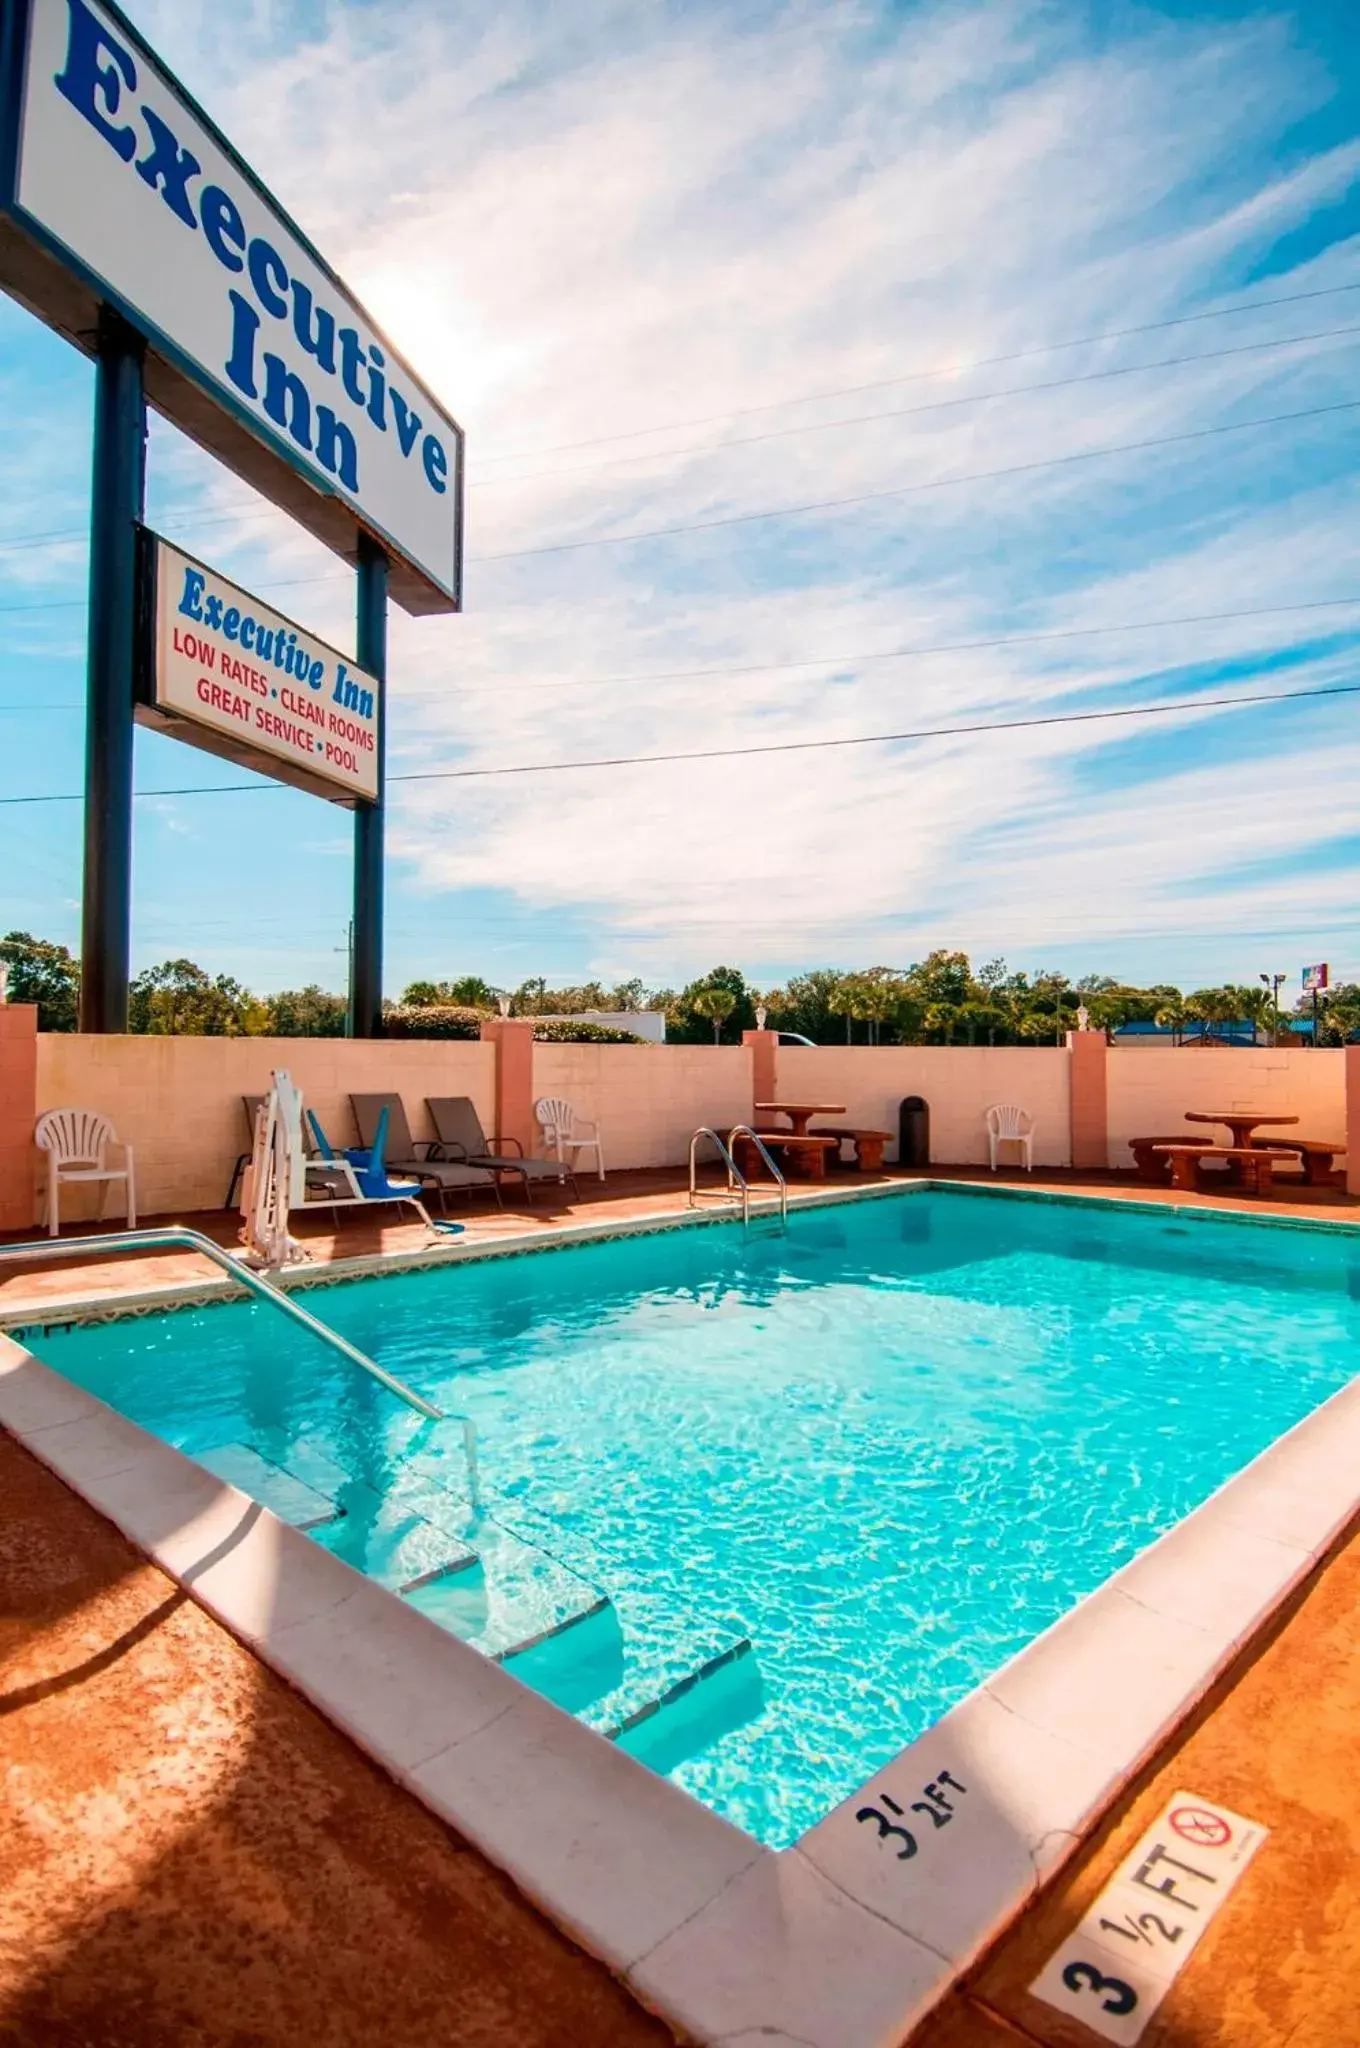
1273,982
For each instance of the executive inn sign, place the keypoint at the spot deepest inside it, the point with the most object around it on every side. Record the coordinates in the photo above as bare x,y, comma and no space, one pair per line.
234,678
117,174
130,225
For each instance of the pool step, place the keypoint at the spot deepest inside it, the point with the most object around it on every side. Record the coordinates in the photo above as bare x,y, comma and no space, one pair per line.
661,1667
576,1665
528,1597
663,1687
390,1542
659,1684
286,1495
697,1711
476,1578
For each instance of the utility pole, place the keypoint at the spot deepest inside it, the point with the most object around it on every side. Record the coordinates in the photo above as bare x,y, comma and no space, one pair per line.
1273,983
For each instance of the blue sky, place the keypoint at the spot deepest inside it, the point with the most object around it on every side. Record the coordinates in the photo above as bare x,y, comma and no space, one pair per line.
671,266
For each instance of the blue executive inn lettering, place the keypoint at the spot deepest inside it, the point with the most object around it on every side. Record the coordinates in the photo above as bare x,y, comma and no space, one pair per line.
269,644
99,79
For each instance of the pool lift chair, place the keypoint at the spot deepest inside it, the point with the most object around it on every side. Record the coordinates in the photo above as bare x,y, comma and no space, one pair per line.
283,1179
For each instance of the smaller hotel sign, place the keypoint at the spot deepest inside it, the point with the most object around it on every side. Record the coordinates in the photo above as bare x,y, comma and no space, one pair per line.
226,673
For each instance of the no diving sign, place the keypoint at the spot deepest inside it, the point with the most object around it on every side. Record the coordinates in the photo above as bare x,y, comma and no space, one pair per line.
1116,1967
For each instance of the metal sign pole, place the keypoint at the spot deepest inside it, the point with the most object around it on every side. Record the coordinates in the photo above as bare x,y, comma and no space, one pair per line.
365,971
119,487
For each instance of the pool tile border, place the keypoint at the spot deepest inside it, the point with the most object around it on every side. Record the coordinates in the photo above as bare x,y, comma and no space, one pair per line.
847,1939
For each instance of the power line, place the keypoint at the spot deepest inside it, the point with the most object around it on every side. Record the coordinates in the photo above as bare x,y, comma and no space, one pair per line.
873,739
903,412
822,504
252,512
824,661
915,376
975,476
187,512
879,739
821,661
775,433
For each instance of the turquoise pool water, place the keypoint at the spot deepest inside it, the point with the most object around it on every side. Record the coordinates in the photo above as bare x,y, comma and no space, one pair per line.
887,1450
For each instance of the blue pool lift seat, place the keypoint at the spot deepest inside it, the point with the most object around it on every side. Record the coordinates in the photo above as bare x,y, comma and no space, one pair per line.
364,1167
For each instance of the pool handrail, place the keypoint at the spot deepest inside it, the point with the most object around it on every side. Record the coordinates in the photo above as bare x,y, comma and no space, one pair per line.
179,1237
735,1176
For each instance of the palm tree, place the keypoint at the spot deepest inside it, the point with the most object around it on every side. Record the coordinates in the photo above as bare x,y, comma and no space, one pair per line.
871,997
845,999
717,1004
1341,1017
1215,1008
1173,1016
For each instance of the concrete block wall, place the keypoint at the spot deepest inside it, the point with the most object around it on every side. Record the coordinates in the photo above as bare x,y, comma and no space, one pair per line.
650,1099
177,1101
959,1083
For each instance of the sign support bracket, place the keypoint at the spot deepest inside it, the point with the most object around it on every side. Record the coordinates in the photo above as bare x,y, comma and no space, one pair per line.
118,492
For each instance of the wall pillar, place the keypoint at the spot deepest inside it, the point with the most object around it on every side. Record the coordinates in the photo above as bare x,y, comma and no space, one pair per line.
763,1044
513,1038
1352,1120
1089,1110
18,1113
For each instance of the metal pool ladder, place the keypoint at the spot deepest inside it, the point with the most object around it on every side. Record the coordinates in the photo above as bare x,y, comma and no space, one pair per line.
175,1236
735,1177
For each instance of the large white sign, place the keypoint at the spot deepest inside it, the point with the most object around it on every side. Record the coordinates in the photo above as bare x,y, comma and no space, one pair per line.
119,171
239,680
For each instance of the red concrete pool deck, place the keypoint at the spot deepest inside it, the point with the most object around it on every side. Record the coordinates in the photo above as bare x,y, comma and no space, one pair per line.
191,1856
1276,1742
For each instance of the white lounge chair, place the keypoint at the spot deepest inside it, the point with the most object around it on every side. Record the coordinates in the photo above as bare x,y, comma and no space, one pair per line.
77,1143
564,1133
1009,1125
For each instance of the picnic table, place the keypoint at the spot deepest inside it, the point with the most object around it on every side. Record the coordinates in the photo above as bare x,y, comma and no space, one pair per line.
1252,1167
1240,1122
804,1149
800,1114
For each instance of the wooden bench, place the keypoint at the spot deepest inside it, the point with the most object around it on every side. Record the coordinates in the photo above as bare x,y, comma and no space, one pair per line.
868,1146
1255,1165
1147,1154
1318,1155
806,1154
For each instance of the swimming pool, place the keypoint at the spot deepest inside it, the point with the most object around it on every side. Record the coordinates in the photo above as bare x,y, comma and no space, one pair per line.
837,1477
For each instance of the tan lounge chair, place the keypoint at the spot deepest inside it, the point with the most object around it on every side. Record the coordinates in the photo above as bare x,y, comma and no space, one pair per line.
461,1137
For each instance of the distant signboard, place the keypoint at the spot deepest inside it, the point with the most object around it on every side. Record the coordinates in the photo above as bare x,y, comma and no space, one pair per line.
116,188
233,677
1315,977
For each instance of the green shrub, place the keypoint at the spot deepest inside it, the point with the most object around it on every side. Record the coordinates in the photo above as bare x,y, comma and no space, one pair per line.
433,1020
567,1031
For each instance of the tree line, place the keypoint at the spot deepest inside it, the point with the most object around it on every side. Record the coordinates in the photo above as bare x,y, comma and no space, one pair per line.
941,1000
945,1000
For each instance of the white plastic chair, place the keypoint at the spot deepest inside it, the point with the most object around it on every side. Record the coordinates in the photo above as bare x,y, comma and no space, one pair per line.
77,1143
563,1133
1009,1125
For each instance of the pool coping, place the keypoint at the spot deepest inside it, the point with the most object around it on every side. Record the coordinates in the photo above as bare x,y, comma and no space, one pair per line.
851,1936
